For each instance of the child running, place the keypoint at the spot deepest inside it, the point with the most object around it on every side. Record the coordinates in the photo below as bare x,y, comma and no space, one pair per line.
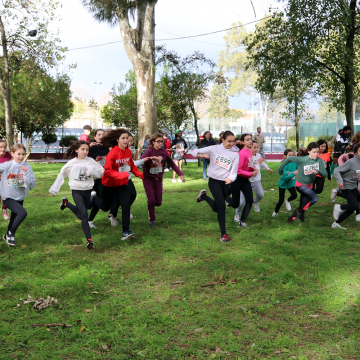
81,171
319,181
155,159
179,144
17,178
287,182
115,181
4,157
223,167
308,167
347,177
255,162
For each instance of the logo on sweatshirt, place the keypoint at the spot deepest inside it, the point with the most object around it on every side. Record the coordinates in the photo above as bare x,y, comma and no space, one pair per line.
222,161
15,180
122,161
309,168
357,175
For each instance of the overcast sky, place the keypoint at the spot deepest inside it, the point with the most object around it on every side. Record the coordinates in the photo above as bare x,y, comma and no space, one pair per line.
109,64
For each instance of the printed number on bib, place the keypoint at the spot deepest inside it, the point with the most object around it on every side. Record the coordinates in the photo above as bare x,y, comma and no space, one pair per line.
252,163
15,180
223,162
156,170
125,168
309,168
357,174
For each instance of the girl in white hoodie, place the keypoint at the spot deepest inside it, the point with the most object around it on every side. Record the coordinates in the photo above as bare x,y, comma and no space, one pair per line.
81,171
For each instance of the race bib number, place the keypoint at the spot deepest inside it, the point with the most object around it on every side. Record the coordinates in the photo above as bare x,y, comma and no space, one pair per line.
101,160
15,180
357,175
309,168
223,162
252,163
124,168
156,170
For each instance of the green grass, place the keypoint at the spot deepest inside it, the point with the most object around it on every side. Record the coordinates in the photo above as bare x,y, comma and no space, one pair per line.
285,273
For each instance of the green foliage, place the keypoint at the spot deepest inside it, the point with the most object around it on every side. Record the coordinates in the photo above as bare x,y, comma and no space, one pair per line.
49,138
67,140
309,139
327,138
291,142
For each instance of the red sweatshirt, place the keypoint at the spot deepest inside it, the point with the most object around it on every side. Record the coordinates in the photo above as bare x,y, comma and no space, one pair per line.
118,164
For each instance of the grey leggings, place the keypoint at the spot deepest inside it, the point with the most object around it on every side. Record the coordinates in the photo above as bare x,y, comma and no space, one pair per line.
18,214
259,194
82,200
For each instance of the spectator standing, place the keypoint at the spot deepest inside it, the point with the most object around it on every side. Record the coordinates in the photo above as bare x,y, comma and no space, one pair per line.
260,139
85,135
205,142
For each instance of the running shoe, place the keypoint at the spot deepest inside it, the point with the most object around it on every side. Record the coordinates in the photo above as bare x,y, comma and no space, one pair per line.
274,214
113,221
337,211
333,195
152,224
179,180
288,205
336,225
256,207
91,224
199,197
166,170
127,235
10,239
237,218
291,219
64,200
357,218
173,180
242,224
90,244
5,214
300,215
224,239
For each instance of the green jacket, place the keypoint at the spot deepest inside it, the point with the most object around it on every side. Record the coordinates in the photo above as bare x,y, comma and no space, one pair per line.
287,179
305,165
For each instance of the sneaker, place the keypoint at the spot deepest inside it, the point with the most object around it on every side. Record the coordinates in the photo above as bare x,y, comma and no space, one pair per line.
291,219
179,180
90,244
333,195
274,214
288,205
127,235
300,215
256,207
152,224
199,198
237,218
166,170
5,214
131,216
242,224
64,200
336,225
91,224
113,221
173,180
10,239
337,211
357,218
224,239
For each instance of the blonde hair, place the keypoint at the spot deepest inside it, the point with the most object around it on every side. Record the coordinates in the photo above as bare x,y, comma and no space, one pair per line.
16,147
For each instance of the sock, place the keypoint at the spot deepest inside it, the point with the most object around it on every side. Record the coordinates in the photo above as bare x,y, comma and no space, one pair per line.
89,240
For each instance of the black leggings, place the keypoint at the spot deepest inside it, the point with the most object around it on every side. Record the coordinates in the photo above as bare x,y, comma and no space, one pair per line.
293,196
306,196
241,184
353,199
115,207
220,192
318,185
82,200
18,214
108,196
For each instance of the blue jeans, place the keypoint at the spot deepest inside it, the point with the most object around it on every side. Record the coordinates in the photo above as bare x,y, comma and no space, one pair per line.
206,162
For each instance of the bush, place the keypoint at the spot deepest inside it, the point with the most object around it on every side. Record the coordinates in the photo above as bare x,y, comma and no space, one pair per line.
327,138
67,140
309,139
291,142
49,139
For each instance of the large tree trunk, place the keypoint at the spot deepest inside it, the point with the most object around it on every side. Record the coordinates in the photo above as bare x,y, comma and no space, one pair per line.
297,126
5,88
193,111
349,106
140,50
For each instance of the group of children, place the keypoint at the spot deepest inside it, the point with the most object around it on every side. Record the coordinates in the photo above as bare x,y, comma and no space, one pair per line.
100,177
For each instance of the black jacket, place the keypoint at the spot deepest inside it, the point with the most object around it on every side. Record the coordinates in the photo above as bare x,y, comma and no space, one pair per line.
205,143
342,141
99,153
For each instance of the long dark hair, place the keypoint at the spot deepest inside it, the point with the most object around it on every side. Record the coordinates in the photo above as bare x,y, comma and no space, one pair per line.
287,151
112,137
71,153
320,142
305,152
242,138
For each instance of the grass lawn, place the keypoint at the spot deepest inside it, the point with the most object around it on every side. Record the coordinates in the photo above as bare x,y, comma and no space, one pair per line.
122,302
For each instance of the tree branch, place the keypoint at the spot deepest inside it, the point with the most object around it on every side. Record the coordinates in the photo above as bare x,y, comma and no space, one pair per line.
330,69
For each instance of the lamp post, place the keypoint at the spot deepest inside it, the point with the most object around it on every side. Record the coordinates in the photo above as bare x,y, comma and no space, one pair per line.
97,93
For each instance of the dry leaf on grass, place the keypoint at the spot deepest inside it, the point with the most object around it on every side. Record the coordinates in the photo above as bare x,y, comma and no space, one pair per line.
82,328
88,310
40,303
78,322
314,316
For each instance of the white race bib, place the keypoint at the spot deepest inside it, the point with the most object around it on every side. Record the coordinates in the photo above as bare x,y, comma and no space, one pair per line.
308,168
223,162
15,180
124,168
252,163
357,175
101,160
156,170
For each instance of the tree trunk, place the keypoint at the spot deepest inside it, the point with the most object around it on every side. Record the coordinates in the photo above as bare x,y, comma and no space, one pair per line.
192,109
140,50
297,126
5,88
349,106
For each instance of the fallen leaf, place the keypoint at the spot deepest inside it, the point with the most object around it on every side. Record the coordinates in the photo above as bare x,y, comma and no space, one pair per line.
48,329
314,316
88,310
78,322
198,330
104,346
82,328
261,260
217,350
95,292
23,246
167,346
18,305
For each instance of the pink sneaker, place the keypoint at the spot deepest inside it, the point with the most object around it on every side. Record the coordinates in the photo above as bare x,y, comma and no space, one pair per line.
5,214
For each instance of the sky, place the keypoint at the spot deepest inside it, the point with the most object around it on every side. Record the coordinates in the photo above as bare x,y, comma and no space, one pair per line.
108,64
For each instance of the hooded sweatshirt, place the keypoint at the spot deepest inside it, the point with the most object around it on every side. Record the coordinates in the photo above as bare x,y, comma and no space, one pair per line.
255,161
14,183
223,162
118,164
99,153
348,173
287,179
246,166
341,142
81,174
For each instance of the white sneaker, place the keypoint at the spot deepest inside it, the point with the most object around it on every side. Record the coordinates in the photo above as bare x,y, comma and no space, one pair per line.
237,218
336,225
256,207
131,216
166,170
274,214
288,205
113,221
337,211
5,214
357,218
91,224
333,195
173,180
242,224
179,180
93,193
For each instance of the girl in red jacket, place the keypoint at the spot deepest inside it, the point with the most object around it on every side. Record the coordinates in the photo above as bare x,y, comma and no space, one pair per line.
118,164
